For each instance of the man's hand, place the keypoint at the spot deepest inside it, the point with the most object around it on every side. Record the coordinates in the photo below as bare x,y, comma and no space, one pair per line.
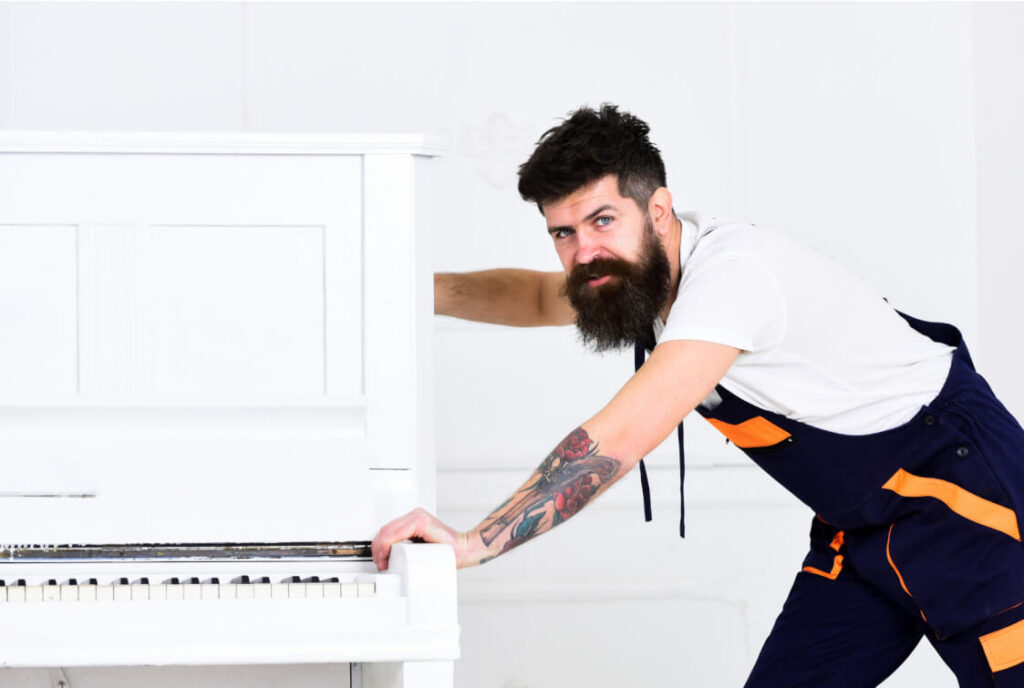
421,525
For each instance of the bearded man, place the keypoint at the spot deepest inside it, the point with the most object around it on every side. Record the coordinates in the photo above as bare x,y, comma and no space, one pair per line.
874,419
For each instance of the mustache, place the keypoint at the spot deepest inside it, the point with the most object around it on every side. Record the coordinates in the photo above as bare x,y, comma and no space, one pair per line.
599,267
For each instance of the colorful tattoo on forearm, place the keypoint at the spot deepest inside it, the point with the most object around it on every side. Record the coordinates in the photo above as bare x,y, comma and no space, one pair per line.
562,485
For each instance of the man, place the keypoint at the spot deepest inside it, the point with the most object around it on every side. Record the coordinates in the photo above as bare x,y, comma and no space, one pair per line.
876,420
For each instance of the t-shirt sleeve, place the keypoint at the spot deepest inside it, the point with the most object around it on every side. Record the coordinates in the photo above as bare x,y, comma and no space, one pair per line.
733,300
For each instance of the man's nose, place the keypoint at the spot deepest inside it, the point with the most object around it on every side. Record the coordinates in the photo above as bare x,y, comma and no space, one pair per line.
587,248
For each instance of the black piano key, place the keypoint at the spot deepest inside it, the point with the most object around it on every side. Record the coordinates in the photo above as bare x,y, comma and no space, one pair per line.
172,581
332,579
71,581
192,581
52,581
292,579
121,581
142,581
3,584
244,580
93,581
214,581
264,579
311,579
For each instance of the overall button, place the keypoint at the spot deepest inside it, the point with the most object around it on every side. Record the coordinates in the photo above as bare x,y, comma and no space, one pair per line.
929,419
962,451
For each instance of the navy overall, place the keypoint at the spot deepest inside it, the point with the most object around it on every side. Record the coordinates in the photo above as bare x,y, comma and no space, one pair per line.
917,534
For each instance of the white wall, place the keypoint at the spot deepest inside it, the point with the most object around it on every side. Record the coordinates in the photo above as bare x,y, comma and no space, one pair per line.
884,134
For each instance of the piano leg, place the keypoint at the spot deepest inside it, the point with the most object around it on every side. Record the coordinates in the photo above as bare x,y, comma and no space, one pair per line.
402,674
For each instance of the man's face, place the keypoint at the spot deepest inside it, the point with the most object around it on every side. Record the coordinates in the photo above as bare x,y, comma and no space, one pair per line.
617,273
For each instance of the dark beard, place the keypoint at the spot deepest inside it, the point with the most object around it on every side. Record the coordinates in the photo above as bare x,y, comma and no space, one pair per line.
621,312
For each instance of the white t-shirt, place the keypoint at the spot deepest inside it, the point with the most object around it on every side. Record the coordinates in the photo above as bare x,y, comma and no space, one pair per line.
818,345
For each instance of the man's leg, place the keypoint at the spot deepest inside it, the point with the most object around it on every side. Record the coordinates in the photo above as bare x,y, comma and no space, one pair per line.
841,633
989,656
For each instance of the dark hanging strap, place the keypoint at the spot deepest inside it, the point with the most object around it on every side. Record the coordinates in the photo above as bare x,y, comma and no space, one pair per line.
639,354
645,486
682,476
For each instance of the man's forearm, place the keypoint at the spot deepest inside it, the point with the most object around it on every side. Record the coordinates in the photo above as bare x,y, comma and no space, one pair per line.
563,484
506,296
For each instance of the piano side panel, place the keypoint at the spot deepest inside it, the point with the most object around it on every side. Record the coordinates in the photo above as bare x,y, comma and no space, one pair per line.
426,190
399,287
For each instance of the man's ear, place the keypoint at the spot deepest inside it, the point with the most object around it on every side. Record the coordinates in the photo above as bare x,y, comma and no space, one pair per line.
659,206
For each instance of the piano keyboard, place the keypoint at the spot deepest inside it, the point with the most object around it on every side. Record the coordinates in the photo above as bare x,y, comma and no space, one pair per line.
143,589
61,580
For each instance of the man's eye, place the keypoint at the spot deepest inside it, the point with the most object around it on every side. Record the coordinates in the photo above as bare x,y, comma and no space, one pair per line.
603,221
561,233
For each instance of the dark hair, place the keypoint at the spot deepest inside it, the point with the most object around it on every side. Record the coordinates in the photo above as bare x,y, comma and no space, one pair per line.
591,144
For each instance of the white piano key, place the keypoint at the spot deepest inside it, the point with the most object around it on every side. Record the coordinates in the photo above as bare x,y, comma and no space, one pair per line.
191,591
349,590
139,592
33,593
332,590
314,590
87,593
175,591
157,591
3,593
16,593
296,591
209,591
104,593
279,590
227,591
261,591
366,589
122,593
51,593
69,593
245,591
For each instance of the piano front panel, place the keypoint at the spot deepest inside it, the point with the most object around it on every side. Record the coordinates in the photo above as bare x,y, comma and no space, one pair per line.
238,332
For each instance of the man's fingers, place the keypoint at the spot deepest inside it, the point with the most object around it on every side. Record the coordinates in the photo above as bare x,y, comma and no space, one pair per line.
414,525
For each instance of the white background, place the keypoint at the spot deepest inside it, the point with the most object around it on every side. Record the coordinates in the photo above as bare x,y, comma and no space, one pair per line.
886,135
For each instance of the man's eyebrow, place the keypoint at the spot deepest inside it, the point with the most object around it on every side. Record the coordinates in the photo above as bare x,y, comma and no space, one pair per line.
588,218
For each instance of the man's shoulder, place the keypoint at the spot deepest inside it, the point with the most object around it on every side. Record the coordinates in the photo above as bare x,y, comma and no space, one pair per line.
719,238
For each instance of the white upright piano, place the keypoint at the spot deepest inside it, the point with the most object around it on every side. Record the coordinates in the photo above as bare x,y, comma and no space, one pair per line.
214,388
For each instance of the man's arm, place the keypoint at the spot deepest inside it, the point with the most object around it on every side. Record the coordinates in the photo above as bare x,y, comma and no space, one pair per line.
522,298
677,377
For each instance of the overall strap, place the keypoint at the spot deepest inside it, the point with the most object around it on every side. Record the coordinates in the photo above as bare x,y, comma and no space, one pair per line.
639,354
